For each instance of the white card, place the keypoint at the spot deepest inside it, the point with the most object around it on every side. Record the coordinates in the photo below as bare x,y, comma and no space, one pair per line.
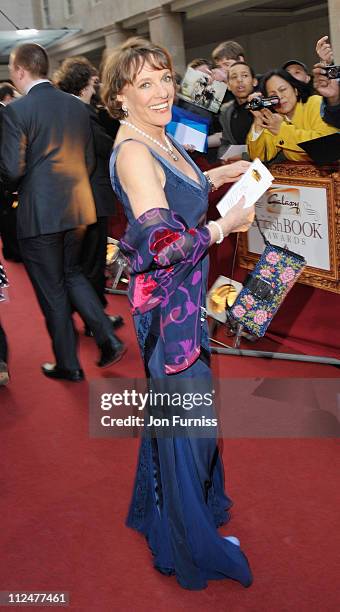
187,135
234,151
251,185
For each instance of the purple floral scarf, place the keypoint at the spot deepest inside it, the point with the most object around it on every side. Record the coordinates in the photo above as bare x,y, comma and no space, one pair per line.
165,258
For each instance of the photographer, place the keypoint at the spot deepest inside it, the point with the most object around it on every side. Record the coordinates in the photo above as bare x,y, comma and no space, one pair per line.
326,85
214,133
295,119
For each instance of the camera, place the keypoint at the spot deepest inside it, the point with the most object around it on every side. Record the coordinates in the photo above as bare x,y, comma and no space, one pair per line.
332,72
259,103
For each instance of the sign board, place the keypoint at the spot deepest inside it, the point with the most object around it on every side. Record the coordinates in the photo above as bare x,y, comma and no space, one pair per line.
300,213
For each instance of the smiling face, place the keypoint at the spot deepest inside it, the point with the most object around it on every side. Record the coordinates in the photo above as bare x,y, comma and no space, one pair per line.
241,82
276,86
150,97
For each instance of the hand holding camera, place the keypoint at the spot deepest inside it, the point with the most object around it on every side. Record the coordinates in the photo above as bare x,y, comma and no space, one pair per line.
262,109
271,121
258,102
327,87
332,72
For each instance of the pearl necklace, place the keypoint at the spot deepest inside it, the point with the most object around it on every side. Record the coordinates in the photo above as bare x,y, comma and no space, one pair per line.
168,149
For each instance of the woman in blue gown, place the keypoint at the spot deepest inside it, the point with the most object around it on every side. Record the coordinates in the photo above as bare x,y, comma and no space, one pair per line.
178,499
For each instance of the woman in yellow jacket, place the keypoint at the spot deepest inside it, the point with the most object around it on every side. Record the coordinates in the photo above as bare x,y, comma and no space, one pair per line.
296,119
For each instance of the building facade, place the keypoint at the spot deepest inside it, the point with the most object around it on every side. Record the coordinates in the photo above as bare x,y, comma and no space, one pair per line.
271,31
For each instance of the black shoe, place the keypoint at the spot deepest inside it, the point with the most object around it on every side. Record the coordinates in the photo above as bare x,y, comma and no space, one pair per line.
51,370
110,352
116,320
4,375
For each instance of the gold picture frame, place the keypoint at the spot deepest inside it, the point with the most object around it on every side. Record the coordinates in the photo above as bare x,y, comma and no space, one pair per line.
297,174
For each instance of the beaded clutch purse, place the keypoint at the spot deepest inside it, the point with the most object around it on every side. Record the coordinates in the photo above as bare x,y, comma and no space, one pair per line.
265,289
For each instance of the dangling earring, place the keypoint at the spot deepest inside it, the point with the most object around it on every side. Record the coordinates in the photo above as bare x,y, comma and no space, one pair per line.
125,110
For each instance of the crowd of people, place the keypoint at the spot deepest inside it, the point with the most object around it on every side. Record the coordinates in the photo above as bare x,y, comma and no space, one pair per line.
51,144
56,143
307,108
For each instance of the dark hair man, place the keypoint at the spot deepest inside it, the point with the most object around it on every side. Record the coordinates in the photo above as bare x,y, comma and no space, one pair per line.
76,75
235,119
47,147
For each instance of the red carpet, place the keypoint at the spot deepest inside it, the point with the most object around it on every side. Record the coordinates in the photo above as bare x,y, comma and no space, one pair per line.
64,497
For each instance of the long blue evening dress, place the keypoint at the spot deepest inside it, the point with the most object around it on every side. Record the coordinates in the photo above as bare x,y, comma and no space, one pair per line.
178,499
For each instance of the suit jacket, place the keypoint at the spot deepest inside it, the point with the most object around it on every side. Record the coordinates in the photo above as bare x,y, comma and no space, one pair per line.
103,193
47,147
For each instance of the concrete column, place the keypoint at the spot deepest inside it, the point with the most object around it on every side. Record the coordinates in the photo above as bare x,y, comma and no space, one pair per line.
114,36
334,27
166,29
54,65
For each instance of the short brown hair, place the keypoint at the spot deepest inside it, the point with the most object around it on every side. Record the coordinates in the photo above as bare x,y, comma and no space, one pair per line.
124,63
74,75
31,57
200,61
228,50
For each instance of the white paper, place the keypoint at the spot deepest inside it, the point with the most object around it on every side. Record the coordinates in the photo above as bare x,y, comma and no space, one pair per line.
235,151
186,135
252,185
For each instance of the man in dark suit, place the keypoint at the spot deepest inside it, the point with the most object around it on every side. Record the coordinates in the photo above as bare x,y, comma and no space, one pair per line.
47,147
77,76
95,242
8,226
7,233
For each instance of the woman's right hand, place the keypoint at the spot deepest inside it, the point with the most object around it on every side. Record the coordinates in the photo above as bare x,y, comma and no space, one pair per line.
237,219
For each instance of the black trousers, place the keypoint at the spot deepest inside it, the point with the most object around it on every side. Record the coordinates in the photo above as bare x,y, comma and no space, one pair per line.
8,232
53,264
93,256
3,345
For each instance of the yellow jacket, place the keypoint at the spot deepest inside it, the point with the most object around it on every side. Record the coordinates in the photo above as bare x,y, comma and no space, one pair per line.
306,124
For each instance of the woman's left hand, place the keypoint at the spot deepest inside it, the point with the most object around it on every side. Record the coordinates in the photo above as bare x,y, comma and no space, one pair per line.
229,173
271,121
232,172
